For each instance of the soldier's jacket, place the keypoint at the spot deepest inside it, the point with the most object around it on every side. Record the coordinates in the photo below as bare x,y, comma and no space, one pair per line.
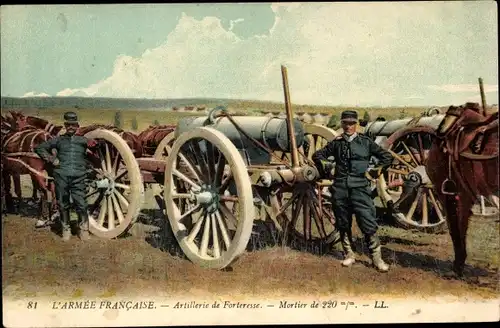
351,159
71,152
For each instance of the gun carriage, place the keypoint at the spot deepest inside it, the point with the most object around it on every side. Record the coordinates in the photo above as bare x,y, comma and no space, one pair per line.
219,173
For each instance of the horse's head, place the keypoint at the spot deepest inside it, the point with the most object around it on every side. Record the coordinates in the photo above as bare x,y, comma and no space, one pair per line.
41,123
450,118
37,122
19,120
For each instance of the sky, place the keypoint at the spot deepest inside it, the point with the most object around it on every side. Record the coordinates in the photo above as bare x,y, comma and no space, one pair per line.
354,54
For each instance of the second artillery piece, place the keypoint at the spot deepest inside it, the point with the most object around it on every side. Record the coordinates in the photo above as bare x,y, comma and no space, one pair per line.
409,140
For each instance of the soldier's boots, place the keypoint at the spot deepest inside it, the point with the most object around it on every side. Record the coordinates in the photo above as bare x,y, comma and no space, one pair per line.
66,229
376,253
350,257
83,232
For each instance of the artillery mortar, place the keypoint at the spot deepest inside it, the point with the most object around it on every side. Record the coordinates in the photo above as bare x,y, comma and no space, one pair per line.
219,173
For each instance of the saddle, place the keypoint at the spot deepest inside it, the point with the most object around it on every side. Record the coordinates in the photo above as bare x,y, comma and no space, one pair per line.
467,137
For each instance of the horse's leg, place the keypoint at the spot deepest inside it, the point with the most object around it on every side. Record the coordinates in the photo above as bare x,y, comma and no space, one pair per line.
36,187
9,201
16,177
54,208
43,218
458,210
43,215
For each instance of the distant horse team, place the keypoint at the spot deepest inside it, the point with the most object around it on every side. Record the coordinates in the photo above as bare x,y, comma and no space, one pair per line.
462,162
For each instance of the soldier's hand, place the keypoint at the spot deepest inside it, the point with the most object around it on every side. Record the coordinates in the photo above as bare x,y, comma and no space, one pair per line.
329,168
92,143
55,161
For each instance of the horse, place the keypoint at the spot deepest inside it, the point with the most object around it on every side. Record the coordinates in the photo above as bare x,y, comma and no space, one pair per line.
19,122
153,135
41,123
462,164
130,138
18,158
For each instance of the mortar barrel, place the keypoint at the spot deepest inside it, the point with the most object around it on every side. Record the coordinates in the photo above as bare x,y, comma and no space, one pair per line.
387,128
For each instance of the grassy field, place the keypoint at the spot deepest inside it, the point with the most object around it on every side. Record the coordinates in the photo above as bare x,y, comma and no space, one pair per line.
167,116
149,262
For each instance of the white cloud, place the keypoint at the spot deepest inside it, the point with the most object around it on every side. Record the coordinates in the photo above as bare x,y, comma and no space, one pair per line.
335,54
453,88
234,22
33,94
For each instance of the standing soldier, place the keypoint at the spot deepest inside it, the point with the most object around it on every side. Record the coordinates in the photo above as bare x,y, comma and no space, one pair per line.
70,173
351,192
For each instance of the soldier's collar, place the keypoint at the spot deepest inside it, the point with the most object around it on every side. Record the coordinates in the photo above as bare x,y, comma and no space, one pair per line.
351,137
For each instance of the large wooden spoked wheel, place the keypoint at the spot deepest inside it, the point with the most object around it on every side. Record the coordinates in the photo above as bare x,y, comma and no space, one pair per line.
305,207
424,211
208,197
116,193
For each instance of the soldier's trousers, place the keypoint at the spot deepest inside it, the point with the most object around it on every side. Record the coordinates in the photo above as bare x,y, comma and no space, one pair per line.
357,201
76,187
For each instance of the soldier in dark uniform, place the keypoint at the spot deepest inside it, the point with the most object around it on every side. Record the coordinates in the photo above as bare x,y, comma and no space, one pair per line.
351,192
70,173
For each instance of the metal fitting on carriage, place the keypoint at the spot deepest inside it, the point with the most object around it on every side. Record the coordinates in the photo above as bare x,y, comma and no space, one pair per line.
414,177
102,183
266,179
422,174
204,197
309,173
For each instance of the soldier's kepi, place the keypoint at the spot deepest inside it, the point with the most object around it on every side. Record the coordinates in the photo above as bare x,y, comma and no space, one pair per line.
70,173
351,192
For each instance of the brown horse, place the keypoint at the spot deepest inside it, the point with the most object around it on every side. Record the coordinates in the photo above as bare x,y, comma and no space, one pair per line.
21,121
462,164
130,138
17,122
153,135
18,158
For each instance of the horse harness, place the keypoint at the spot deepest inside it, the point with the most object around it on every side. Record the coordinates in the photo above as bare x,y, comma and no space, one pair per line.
23,135
468,132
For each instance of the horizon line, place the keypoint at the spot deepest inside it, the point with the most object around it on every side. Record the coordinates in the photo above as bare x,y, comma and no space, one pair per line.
220,99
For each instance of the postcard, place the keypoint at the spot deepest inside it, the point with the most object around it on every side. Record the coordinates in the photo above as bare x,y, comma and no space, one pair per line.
249,163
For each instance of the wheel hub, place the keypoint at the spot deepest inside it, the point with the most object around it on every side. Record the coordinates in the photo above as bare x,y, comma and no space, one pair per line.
208,198
107,184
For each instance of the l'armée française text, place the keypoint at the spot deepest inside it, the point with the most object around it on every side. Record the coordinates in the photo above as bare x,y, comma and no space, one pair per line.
114,305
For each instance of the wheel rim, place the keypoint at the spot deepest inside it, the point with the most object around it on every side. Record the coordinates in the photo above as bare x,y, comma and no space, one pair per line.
117,192
422,209
165,146
490,208
161,153
198,190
